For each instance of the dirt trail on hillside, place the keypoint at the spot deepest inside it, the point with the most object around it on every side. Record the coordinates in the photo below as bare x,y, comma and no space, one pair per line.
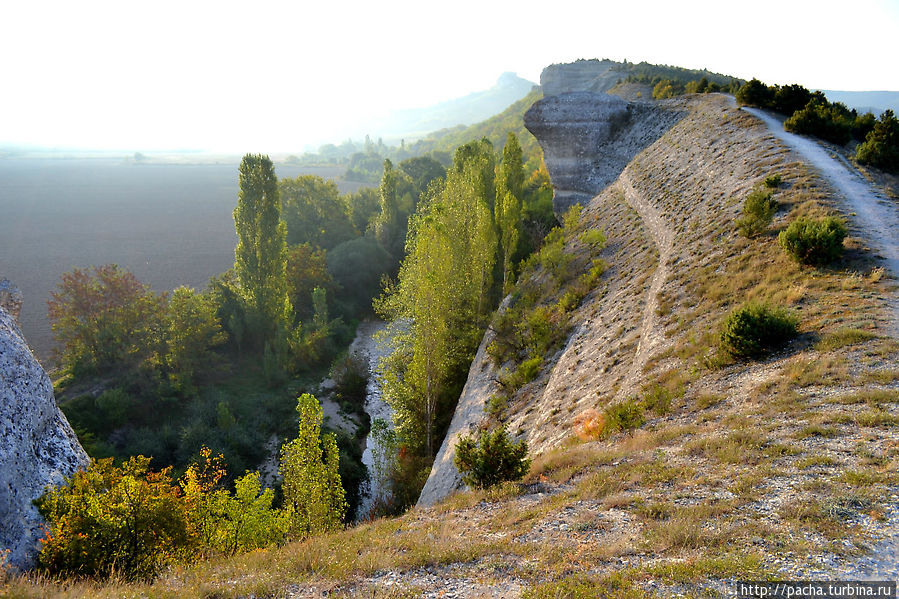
877,220
663,237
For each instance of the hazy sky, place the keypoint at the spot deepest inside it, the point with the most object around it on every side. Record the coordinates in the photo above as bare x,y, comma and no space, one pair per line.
275,76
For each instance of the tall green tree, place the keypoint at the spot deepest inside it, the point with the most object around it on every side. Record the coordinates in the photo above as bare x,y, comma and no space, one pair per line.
313,492
261,252
509,187
442,298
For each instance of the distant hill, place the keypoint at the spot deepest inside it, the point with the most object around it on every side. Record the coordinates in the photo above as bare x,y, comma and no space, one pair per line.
474,107
875,102
495,128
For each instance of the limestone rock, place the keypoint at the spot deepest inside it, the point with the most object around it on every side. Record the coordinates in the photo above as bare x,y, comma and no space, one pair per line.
37,445
580,76
469,414
574,129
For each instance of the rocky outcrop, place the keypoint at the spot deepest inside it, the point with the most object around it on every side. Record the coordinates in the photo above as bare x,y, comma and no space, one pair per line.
588,138
469,415
594,76
37,445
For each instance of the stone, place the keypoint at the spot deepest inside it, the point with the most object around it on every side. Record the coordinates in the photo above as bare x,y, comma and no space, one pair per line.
573,129
595,76
37,445
445,478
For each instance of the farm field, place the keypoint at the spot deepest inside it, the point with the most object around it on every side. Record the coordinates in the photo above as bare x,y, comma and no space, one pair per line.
170,224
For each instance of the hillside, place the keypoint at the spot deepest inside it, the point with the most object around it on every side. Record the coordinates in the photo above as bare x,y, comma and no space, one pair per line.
472,108
784,467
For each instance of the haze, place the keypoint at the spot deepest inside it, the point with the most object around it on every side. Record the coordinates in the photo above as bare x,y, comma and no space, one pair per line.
282,77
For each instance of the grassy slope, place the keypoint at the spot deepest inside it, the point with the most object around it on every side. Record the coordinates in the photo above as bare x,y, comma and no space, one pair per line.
753,468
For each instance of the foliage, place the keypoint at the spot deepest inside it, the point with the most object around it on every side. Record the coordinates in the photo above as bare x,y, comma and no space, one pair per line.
307,270
754,93
667,88
358,266
881,145
444,294
832,122
491,459
313,493
755,329
261,252
773,181
106,520
625,416
314,212
509,189
192,332
104,318
814,241
229,523
758,212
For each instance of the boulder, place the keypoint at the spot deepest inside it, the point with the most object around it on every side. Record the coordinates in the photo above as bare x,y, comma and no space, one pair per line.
37,446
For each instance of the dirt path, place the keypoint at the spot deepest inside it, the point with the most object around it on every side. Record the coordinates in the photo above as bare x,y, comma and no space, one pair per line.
877,220
663,237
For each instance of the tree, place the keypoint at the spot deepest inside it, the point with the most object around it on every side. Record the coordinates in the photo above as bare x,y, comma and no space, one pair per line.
104,318
261,252
313,493
509,187
491,459
314,212
192,331
881,147
306,269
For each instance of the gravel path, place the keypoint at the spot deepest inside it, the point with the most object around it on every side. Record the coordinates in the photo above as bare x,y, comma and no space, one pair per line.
878,222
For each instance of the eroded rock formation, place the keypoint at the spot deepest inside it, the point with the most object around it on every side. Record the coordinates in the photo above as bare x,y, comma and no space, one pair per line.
37,445
594,76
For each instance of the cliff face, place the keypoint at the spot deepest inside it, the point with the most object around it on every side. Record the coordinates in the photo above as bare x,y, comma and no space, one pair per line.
37,445
588,138
594,76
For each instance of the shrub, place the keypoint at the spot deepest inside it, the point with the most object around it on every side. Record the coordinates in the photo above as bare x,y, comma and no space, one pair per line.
106,520
491,459
814,241
626,416
758,211
667,88
832,122
754,329
773,182
881,146
755,93
589,425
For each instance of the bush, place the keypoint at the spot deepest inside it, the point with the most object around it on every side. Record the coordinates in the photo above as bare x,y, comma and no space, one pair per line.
755,93
626,416
814,241
490,460
881,146
758,212
832,122
773,182
755,329
106,520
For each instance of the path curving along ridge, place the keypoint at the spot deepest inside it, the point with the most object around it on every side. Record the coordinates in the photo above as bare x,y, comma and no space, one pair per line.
663,237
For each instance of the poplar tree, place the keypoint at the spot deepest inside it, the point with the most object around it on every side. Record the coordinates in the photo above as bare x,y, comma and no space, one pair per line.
313,492
509,186
261,252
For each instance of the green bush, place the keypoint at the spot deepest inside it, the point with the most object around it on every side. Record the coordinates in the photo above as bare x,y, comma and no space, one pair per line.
773,182
755,93
814,241
626,416
755,329
490,460
881,147
758,212
832,122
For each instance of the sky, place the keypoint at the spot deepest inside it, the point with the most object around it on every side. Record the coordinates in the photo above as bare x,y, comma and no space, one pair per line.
277,76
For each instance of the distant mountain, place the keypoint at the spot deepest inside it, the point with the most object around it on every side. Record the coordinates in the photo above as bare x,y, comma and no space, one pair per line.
474,107
875,102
